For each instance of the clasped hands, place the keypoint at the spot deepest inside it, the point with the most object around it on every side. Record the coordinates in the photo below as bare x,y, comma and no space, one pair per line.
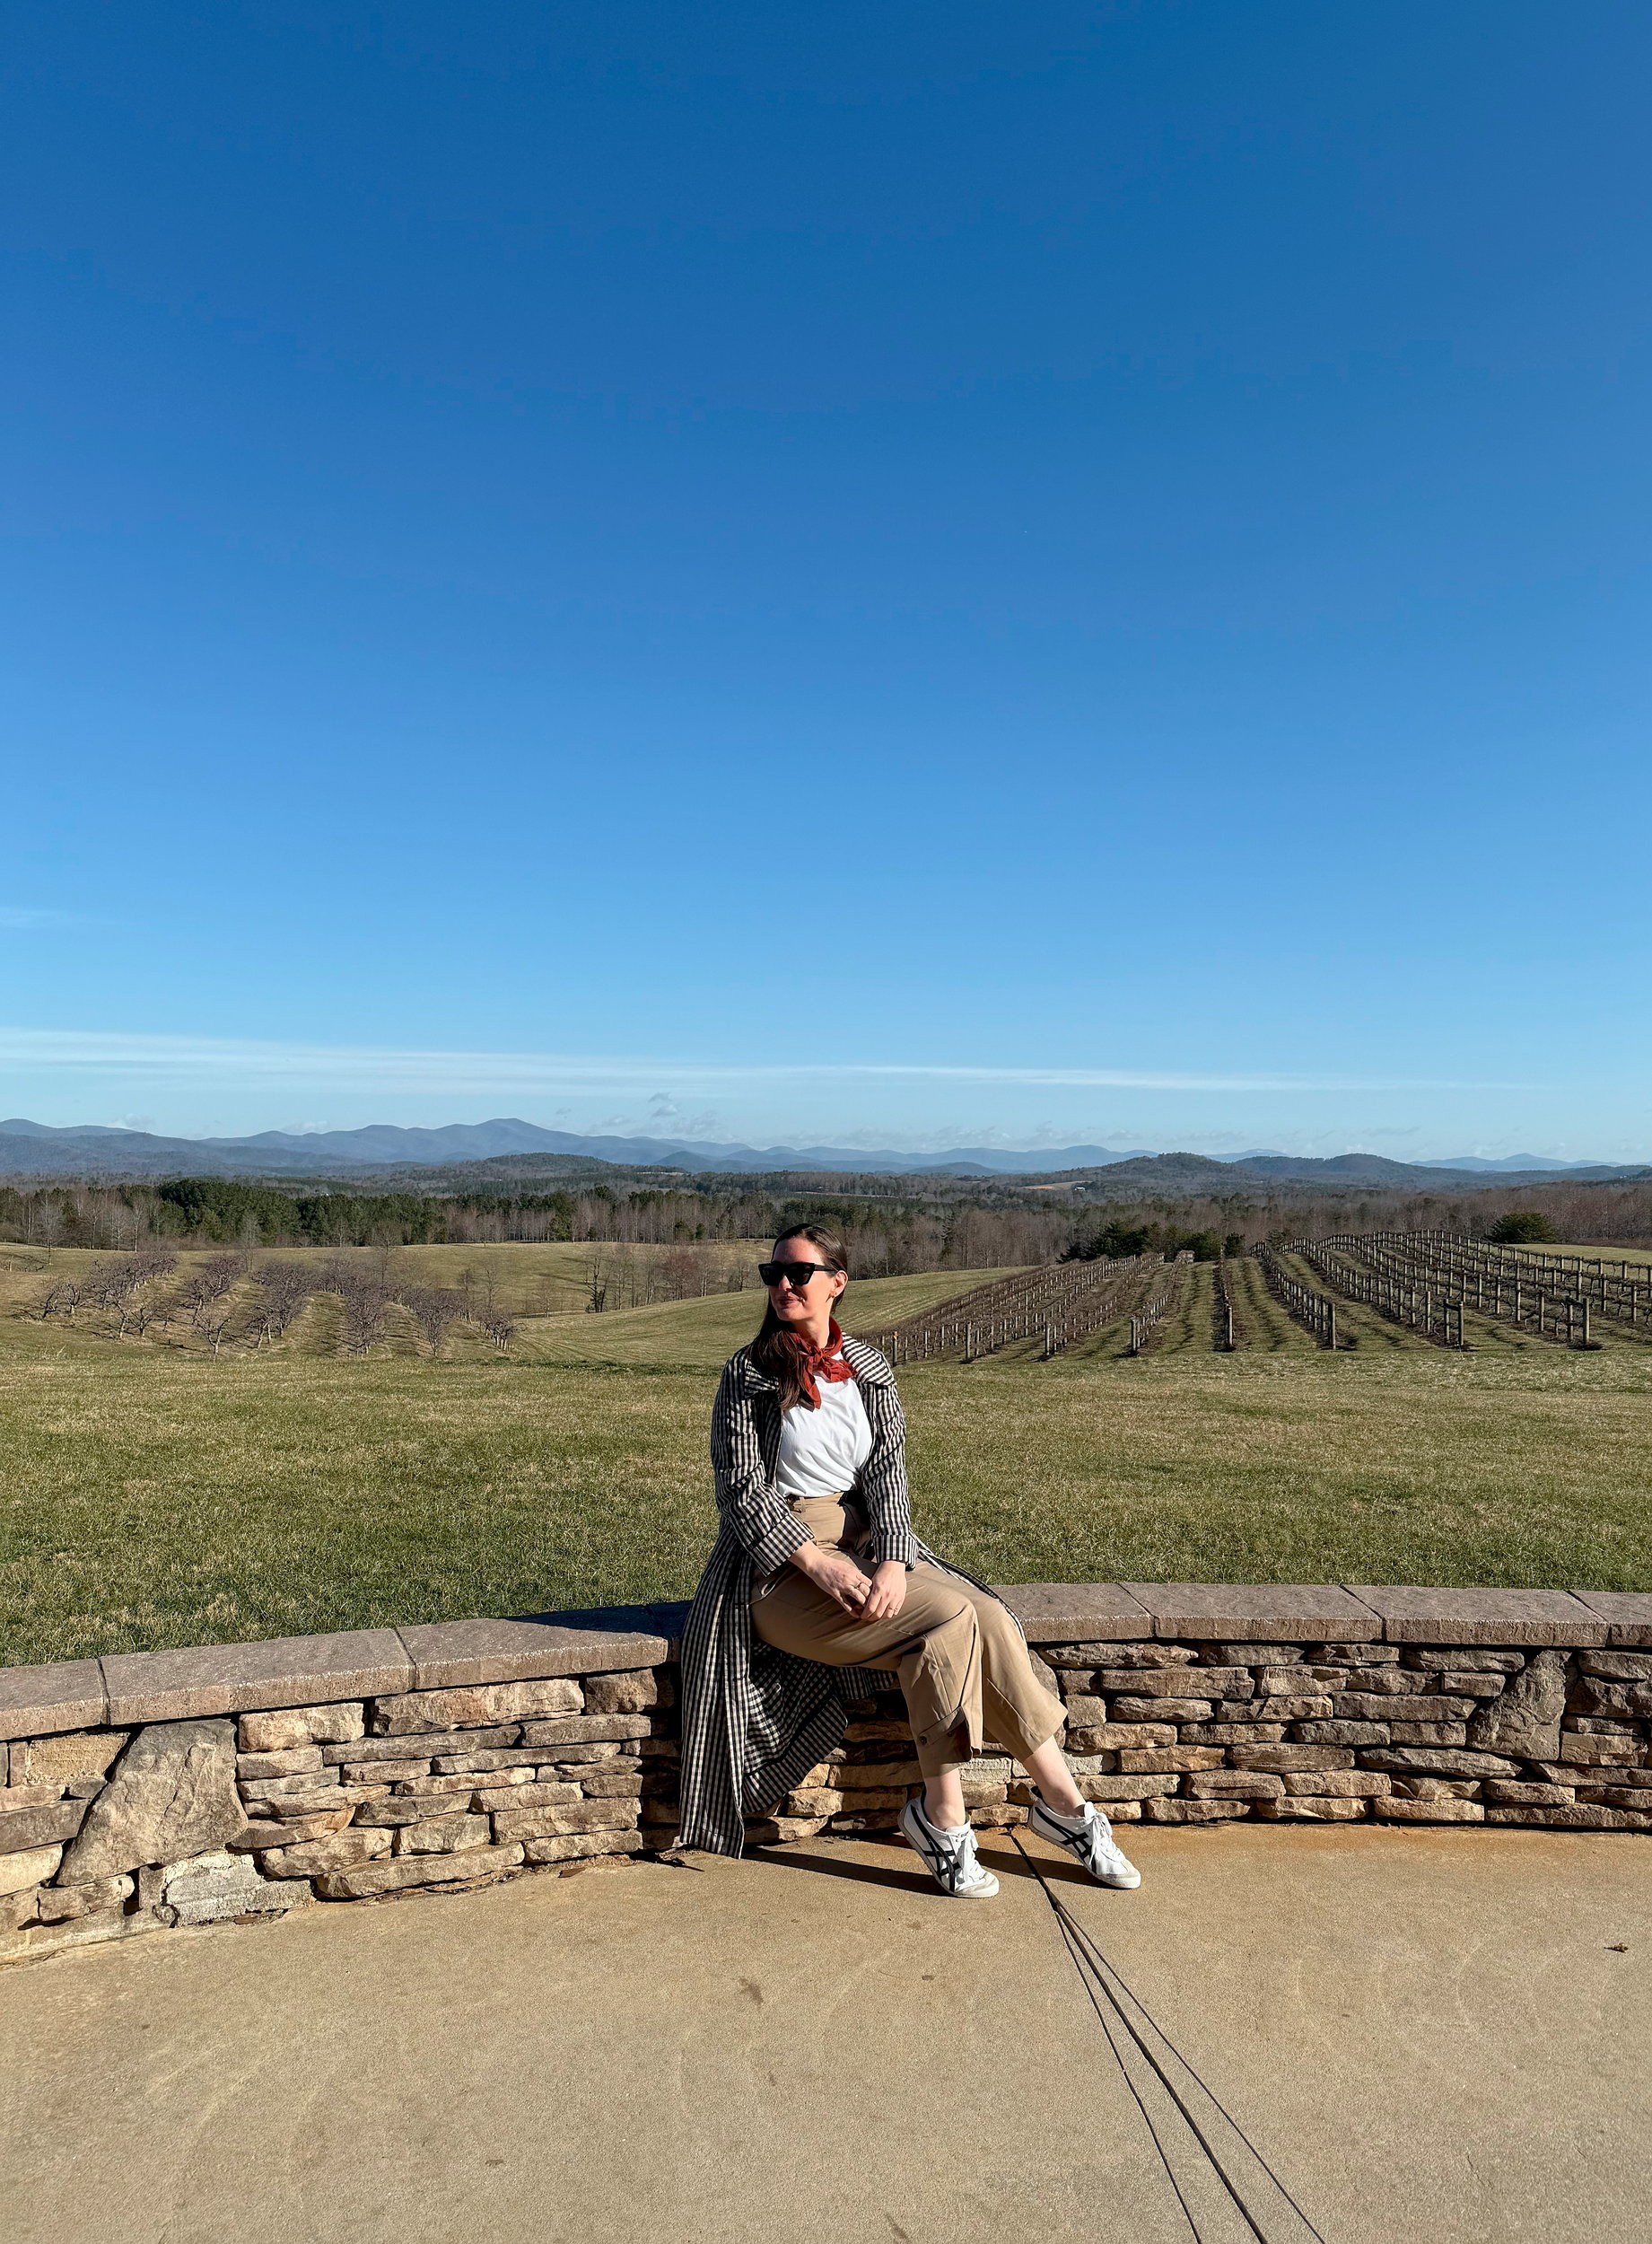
875,1597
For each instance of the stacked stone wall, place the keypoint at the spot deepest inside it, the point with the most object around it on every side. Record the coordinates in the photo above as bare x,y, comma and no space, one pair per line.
179,1789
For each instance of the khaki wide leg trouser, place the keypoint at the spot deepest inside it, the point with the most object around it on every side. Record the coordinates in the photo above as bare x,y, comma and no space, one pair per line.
961,1660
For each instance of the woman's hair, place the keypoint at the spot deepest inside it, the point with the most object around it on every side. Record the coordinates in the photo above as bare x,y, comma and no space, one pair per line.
779,1353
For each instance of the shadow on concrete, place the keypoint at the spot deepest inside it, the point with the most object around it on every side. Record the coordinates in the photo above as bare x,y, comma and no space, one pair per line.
1005,1862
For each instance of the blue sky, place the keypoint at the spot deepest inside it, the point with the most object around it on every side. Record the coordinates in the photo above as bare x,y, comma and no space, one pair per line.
921,576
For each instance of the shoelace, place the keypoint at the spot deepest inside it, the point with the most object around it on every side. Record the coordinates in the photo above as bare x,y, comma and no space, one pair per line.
965,1860
1100,1848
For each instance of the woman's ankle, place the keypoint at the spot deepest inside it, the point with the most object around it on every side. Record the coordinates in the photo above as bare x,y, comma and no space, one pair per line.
944,1814
1062,1807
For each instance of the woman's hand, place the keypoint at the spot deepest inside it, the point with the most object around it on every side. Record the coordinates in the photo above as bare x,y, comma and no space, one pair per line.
887,1593
838,1576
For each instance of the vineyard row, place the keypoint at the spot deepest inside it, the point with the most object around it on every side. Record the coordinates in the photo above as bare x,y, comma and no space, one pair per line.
1386,1285
1062,1303
1612,1293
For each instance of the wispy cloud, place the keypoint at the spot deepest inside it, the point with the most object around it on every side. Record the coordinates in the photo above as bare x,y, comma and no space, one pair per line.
225,1059
31,916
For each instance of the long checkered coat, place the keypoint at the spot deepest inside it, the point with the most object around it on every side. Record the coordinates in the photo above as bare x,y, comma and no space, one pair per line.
756,1719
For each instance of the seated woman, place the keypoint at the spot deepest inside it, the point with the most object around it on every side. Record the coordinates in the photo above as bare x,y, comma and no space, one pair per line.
817,1591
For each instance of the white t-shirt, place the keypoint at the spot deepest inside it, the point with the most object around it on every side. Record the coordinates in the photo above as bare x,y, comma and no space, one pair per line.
822,1450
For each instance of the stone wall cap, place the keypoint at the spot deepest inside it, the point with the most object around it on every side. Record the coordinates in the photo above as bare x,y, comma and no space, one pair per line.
1258,1612
1076,1612
1480,1617
292,1672
38,1702
1627,1613
241,1679
449,1653
668,1617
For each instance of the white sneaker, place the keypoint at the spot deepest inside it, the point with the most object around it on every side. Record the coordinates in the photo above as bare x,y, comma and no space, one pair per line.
1092,1843
950,1854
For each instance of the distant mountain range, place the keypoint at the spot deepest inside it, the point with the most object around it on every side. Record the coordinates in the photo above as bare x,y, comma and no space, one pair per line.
1511,1160
39,1147
1522,1163
35,1148
1186,1173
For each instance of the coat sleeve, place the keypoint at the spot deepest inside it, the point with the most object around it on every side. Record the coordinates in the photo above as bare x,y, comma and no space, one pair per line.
762,1522
883,1478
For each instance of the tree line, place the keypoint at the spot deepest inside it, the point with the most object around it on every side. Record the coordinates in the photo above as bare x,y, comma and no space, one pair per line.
887,1237
901,1227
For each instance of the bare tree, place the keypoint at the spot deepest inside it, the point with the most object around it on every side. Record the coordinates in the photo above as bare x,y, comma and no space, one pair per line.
436,1307
683,1272
206,1286
366,1304
109,1282
117,1286
284,1288
43,1223
500,1327
384,1239
631,1275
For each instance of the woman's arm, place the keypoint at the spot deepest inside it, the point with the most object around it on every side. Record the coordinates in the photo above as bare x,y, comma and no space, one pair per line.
763,1523
882,1481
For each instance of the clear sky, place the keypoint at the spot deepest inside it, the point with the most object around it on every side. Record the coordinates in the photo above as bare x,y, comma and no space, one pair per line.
920,573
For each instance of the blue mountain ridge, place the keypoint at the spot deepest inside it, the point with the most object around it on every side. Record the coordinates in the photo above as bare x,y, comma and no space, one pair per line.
36,1146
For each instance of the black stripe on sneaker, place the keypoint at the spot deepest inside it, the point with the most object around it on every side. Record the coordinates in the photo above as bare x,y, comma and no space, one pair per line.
946,1864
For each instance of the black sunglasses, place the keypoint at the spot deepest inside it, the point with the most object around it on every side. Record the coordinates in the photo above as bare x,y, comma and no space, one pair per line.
796,1274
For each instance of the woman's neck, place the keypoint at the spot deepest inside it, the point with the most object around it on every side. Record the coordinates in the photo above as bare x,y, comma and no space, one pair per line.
816,1330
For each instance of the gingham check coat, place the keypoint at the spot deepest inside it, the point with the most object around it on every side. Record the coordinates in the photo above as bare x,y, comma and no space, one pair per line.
756,1719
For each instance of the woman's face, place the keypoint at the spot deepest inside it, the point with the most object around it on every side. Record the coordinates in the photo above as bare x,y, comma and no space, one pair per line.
794,1303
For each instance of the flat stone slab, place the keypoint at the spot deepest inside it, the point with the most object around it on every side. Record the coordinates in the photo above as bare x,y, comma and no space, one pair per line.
240,1679
1264,1612
1076,1612
1627,1613
38,1702
1481,1617
445,1653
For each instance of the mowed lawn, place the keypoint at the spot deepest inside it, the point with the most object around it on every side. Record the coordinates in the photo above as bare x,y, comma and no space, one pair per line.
153,1497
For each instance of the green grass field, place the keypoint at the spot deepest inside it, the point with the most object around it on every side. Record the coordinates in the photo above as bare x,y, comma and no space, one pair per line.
154,1495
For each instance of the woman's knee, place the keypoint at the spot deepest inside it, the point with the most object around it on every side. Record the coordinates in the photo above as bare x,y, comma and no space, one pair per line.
1001,1640
961,1626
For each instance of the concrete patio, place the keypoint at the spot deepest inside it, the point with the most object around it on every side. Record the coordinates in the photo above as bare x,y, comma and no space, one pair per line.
1432,2034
